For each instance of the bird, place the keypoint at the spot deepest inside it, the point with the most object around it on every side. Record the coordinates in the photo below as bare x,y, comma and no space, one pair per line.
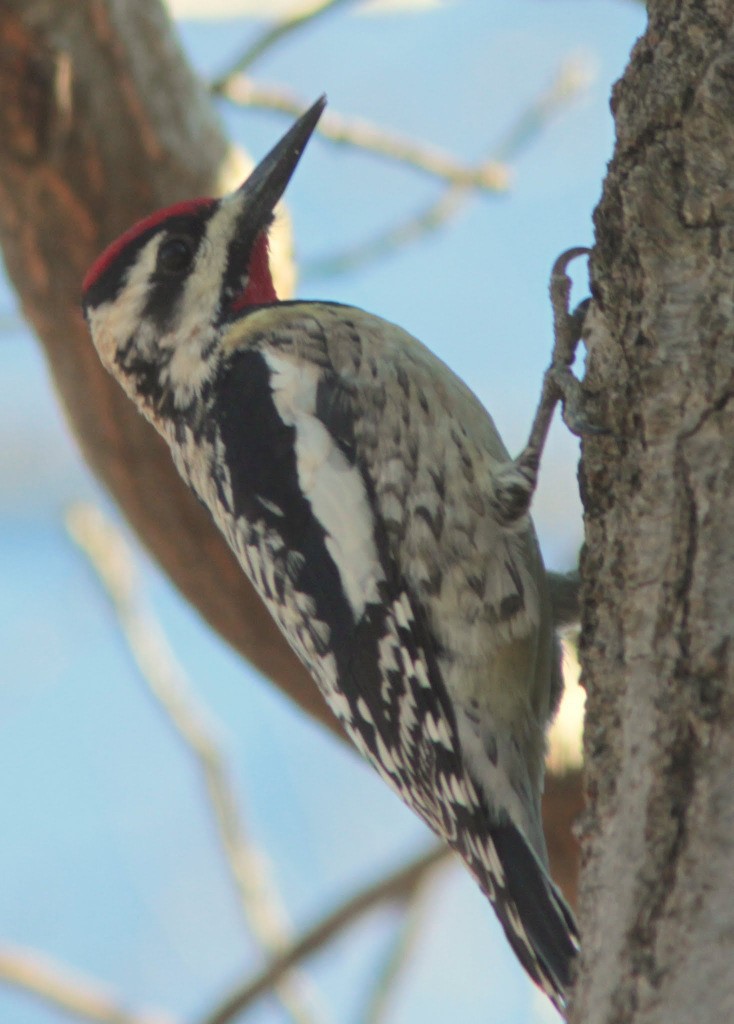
367,495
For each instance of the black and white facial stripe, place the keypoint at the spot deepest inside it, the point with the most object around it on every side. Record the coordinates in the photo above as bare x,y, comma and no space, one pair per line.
113,276
156,307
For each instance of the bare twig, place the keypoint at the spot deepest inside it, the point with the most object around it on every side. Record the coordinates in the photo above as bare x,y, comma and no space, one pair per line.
430,218
396,887
272,36
68,991
572,78
111,560
490,175
398,955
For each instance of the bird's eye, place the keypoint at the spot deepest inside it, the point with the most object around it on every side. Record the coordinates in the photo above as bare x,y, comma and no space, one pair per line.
175,256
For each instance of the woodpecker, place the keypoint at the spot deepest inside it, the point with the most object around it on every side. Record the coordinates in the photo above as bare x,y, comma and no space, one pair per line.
368,497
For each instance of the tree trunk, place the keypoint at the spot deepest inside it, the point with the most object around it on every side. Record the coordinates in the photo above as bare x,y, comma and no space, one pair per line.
658,890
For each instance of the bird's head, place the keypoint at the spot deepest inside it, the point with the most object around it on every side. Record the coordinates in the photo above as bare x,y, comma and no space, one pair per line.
157,298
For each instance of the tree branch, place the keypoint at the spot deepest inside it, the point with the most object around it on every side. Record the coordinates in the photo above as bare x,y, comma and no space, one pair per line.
394,888
397,958
488,176
67,991
271,37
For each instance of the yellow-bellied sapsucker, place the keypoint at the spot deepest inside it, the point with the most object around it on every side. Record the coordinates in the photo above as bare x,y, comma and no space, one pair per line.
368,497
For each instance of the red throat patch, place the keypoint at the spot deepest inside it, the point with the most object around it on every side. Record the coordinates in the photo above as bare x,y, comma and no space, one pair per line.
260,289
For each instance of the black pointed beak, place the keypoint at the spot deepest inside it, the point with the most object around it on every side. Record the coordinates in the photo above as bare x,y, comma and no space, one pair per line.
267,183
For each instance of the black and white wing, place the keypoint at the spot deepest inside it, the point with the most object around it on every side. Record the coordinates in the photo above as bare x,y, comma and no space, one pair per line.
302,440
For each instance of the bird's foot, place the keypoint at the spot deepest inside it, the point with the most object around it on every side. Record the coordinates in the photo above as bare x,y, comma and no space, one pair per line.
514,483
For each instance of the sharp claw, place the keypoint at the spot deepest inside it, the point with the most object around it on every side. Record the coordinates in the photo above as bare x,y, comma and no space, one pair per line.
579,424
561,263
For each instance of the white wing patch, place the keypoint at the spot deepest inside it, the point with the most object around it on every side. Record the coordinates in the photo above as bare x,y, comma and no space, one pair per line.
334,488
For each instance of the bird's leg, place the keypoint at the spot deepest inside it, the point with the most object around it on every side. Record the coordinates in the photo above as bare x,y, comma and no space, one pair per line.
514,484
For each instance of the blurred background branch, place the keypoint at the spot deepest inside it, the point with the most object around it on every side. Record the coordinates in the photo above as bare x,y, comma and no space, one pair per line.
488,176
112,561
397,956
572,79
273,35
67,991
396,887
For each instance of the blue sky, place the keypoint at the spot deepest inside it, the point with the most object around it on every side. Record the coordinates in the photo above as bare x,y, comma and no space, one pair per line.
108,860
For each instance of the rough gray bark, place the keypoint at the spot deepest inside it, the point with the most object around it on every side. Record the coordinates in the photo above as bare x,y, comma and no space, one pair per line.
658,890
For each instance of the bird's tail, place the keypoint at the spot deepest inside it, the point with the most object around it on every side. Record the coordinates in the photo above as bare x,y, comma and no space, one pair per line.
538,922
